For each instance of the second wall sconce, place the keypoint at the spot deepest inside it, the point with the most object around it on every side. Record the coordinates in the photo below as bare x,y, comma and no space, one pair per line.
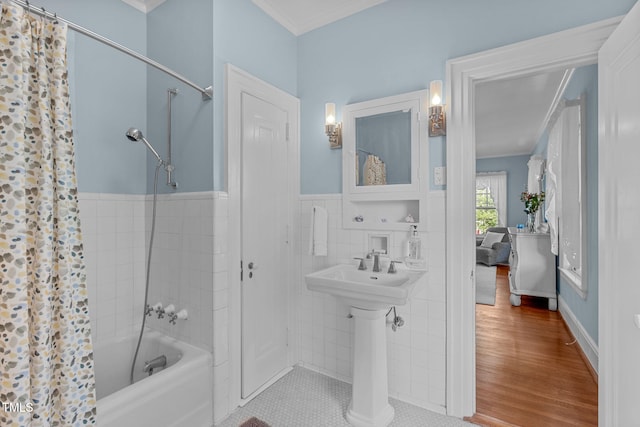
437,119
331,128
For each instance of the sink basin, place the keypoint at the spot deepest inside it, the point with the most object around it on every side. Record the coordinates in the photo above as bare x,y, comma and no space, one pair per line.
365,289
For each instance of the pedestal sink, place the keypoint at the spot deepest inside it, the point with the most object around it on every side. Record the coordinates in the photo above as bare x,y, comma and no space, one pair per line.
369,295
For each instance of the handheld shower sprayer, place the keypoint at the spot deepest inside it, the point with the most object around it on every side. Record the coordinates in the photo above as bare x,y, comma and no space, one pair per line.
135,135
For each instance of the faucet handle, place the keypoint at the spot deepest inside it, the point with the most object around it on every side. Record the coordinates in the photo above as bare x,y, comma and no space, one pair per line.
362,265
159,310
181,315
392,266
170,309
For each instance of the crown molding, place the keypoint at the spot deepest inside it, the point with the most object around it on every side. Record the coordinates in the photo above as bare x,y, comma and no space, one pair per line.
301,24
144,6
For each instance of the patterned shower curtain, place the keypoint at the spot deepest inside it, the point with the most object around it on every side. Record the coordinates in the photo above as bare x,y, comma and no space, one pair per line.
46,358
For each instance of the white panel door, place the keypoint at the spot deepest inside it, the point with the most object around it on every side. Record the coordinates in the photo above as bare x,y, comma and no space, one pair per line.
618,230
264,242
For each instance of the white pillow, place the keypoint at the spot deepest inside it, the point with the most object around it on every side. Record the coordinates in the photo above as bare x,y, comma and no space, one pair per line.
491,238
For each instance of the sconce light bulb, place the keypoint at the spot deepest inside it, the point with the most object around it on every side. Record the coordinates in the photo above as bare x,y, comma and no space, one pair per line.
330,113
435,89
331,120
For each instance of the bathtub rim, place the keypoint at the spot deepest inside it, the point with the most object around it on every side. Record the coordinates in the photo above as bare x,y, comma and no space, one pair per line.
191,355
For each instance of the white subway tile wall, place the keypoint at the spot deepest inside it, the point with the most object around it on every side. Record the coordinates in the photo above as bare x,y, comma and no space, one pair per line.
189,269
416,351
182,265
113,232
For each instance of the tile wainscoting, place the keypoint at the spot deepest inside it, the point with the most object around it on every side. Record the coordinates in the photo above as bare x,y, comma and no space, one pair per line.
416,351
113,233
188,269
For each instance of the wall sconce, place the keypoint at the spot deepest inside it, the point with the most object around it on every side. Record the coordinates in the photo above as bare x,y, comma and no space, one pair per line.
331,128
437,119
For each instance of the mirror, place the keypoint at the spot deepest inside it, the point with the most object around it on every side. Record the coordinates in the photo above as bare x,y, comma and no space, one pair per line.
381,143
383,149
382,187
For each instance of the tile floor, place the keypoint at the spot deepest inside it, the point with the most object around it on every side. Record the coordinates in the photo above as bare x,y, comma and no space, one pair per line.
305,398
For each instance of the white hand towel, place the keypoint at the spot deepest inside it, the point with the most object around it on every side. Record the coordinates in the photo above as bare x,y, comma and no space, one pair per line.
318,238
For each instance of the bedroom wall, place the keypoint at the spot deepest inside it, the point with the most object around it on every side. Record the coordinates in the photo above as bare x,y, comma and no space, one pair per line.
585,81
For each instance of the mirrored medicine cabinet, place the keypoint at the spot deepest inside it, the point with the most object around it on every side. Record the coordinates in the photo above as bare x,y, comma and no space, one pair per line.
384,158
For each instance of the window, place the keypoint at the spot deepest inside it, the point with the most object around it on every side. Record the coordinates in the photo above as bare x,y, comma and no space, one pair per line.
486,212
567,157
491,200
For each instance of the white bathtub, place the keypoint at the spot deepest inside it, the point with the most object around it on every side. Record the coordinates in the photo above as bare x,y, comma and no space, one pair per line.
179,395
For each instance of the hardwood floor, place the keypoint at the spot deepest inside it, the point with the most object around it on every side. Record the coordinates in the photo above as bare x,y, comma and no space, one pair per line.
526,374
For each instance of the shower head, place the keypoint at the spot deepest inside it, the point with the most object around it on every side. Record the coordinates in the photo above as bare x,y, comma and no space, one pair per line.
135,135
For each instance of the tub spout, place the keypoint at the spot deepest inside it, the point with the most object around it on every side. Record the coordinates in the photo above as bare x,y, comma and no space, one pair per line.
158,362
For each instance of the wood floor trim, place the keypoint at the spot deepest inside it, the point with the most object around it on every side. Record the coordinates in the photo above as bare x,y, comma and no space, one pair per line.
569,319
585,359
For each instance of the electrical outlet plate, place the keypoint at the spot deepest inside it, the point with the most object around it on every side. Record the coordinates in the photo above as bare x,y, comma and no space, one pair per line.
439,175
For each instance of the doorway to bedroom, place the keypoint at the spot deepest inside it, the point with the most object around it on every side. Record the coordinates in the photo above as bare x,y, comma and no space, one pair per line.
523,351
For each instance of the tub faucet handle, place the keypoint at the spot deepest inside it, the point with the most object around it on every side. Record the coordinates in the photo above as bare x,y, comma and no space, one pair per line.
170,309
159,310
181,315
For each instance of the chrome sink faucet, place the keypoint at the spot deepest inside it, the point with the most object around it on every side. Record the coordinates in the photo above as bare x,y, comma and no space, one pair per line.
376,262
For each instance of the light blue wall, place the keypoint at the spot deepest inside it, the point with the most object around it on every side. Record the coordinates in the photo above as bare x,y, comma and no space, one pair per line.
108,94
246,37
517,170
585,80
401,45
112,92
181,38
382,51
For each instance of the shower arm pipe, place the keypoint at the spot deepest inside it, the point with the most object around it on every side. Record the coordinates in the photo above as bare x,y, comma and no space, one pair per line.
169,166
207,93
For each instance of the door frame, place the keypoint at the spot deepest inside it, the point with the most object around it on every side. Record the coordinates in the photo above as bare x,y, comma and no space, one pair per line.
614,324
238,81
566,49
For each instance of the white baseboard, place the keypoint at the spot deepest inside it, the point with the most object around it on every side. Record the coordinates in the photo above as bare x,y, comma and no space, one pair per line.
584,340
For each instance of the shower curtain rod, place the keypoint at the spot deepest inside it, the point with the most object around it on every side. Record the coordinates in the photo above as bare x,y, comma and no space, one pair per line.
207,93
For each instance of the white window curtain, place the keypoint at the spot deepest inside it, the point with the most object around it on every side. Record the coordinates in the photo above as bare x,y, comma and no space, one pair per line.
553,178
571,193
565,210
496,182
536,166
